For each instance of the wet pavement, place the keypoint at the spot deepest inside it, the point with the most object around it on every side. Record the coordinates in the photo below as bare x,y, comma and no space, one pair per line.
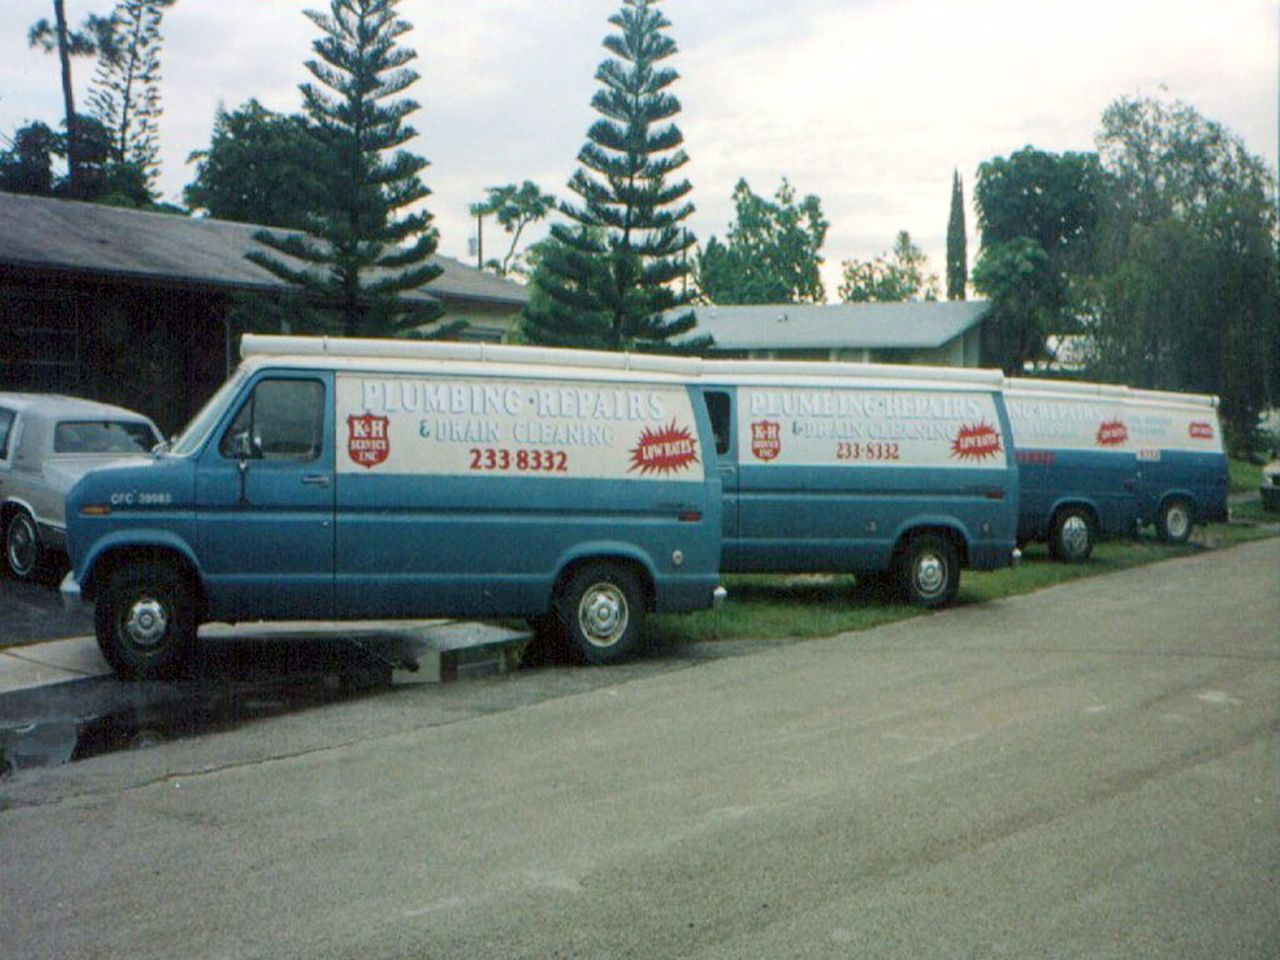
59,703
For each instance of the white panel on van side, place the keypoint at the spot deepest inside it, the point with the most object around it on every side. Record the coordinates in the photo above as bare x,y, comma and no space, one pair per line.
813,426
485,426
1158,426
1068,423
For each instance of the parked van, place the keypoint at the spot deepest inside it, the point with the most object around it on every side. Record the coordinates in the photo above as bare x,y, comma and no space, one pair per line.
1077,465
1182,463
354,479
876,470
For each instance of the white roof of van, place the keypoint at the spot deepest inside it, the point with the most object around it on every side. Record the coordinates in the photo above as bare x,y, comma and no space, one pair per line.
354,353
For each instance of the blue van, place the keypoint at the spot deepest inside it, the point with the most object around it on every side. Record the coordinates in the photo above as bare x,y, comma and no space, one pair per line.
350,479
1077,465
886,471
1182,474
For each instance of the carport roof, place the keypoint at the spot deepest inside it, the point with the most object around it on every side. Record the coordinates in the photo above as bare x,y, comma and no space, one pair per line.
87,238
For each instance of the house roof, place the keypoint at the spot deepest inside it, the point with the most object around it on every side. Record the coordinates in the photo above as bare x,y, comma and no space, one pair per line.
863,326
44,233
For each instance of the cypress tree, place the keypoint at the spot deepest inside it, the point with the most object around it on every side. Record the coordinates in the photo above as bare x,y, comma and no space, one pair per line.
957,255
361,256
606,279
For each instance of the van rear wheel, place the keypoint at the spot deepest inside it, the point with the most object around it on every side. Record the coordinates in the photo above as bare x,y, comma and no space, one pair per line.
1072,537
601,607
1173,525
928,571
144,620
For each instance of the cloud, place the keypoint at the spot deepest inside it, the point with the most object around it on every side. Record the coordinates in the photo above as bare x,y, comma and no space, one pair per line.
868,103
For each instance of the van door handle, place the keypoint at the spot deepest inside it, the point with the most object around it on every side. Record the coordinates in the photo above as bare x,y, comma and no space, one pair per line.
315,479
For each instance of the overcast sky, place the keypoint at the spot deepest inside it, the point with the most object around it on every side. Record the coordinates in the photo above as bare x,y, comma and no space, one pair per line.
870,104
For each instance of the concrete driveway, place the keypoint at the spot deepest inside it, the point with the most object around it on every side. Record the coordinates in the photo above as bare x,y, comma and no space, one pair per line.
1089,771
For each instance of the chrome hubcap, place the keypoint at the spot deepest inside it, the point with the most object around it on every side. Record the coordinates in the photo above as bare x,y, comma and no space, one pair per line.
1177,521
931,574
1075,536
602,614
146,622
22,546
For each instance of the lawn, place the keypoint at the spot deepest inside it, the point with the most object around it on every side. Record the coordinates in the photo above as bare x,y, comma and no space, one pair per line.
1245,477
777,607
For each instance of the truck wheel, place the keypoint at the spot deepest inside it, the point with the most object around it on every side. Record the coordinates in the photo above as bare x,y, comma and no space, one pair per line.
22,549
144,619
602,609
928,571
1071,540
1173,525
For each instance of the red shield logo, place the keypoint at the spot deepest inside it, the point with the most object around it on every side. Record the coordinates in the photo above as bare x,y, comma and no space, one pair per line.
368,443
766,440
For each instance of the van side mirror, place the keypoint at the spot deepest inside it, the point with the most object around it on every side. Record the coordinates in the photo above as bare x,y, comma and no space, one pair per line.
242,446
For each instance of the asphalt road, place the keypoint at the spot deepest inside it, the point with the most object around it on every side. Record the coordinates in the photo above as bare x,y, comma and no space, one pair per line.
1090,771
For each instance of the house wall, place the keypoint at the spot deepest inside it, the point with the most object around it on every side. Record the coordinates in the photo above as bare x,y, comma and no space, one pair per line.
963,351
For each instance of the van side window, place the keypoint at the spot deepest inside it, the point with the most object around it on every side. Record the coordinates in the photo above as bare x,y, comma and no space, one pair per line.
281,420
718,411
6,427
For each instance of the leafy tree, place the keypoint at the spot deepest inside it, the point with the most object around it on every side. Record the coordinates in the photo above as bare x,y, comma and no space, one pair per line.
27,166
515,208
611,273
1025,290
890,279
356,268
126,94
1052,201
96,35
957,244
258,168
772,251
1188,288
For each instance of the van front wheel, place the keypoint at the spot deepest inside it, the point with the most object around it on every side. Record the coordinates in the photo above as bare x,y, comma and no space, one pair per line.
144,620
602,609
928,571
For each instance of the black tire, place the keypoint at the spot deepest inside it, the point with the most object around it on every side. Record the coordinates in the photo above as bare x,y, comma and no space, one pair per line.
23,553
601,610
1072,537
928,571
1173,524
145,620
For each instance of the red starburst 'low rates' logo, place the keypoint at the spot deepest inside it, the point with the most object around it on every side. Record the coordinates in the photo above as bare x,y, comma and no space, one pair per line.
766,440
668,449
1112,433
1199,430
978,442
368,443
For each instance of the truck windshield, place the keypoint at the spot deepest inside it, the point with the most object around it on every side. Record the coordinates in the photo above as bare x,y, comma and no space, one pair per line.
189,440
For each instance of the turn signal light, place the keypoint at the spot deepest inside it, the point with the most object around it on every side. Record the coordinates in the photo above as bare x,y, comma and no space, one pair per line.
689,516
95,510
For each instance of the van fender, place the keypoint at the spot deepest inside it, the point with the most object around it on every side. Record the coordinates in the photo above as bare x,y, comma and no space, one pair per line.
135,540
1178,493
934,521
604,550
1073,501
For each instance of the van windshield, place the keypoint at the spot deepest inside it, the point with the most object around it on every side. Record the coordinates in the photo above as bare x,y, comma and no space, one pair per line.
193,434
